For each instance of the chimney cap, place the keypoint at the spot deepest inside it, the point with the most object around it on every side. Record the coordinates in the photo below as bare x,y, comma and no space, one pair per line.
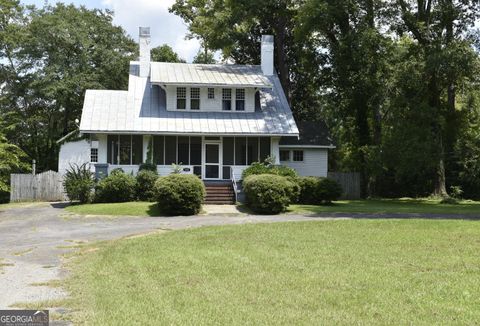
144,31
267,38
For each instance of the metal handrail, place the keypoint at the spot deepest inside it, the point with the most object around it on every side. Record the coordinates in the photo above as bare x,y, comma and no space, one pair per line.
234,182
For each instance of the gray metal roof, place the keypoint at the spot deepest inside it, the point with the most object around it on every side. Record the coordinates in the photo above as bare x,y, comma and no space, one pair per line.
141,109
202,74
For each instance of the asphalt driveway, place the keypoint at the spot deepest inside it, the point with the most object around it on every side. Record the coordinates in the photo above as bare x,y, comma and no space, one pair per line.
33,239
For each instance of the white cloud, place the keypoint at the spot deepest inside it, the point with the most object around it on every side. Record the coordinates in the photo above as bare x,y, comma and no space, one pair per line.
164,26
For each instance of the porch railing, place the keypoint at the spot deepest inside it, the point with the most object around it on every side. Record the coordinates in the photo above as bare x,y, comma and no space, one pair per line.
234,182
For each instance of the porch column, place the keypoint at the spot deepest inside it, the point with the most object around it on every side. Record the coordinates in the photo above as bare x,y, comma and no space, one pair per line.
146,139
275,152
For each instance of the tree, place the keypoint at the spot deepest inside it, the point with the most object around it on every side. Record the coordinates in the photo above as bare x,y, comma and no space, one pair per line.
54,55
165,53
204,57
12,159
440,29
355,68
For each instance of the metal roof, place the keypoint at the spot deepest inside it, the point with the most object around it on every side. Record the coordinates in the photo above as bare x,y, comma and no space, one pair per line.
141,109
203,74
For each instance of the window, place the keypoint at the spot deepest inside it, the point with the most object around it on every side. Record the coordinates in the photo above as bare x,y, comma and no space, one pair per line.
226,99
240,99
181,98
252,150
194,98
298,156
211,93
94,155
284,155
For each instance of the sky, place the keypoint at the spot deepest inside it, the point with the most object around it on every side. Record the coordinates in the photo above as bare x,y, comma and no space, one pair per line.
130,14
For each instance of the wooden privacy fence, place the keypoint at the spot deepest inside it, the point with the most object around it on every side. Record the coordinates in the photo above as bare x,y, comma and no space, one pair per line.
350,182
46,186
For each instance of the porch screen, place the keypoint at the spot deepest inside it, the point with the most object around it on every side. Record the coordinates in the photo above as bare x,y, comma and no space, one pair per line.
158,145
183,150
170,150
124,149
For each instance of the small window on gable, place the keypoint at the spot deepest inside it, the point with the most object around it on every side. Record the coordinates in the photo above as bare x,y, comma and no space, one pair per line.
181,98
298,156
195,98
240,99
211,93
284,155
94,155
226,99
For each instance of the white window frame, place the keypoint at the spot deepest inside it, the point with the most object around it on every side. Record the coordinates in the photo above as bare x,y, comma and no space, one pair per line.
211,93
94,155
240,96
181,93
298,151
227,96
194,95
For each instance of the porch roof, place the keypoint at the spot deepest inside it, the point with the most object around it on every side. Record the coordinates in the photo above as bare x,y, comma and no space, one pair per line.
141,109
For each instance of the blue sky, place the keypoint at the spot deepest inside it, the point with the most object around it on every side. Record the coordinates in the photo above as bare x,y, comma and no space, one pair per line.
130,14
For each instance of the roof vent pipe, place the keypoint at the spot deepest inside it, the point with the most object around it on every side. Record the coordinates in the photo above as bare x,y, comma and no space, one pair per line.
267,55
144,42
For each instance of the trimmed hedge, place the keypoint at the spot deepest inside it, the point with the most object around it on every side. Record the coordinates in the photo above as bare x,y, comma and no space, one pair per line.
315,190
261,168
180,194
117,187
145,185
269,194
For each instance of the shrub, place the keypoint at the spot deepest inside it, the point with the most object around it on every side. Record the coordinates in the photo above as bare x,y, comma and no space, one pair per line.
315,190
117,187
261,168
328,190
180,194
145,185
78,183
268,194
308,190
148,167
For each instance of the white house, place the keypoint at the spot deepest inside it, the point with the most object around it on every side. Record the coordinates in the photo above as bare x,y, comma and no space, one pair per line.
214,120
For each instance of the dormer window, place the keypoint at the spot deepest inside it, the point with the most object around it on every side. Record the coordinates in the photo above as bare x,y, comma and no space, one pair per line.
211,93
226,99
194,98
240,99
181,98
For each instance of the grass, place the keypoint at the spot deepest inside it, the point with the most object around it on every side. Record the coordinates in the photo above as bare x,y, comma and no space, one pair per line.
406,205
345,206
124,209
397,272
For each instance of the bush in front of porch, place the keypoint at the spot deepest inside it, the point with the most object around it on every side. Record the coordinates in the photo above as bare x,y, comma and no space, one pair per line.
270,194
180,194
116,188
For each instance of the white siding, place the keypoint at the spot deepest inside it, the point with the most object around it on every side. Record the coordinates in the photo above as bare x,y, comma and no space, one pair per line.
315,162
73,153
210,105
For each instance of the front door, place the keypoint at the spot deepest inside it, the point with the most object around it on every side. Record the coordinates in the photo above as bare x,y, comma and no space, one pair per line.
212,161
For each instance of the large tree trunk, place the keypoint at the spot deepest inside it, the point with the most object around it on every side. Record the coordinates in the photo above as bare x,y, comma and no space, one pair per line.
440,185
281,57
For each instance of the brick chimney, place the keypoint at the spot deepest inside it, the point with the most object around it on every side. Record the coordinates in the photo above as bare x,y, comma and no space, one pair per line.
144,58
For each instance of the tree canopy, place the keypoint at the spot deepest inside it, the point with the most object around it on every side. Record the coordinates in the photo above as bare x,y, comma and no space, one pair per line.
165,53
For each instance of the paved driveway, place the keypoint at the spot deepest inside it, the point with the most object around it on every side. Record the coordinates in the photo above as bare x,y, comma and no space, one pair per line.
34,237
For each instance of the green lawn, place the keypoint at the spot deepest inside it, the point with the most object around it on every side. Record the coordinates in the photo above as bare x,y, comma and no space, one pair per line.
391,206
127,209
345,206
397,272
